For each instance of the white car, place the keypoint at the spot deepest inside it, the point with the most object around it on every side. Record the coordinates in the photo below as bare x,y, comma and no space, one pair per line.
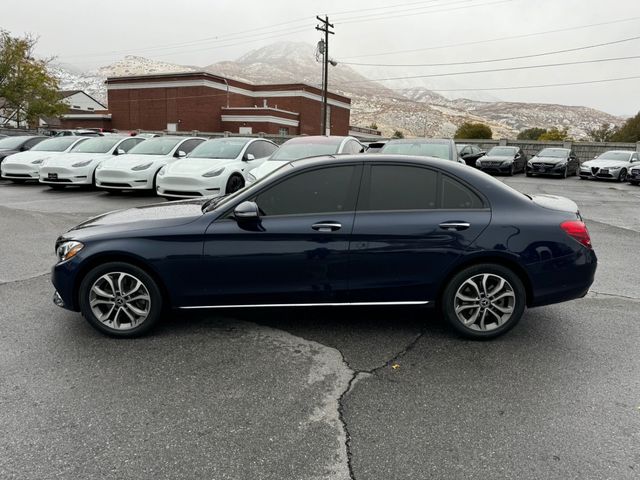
24,166
78,166
138,169
611,165
215,167
302,147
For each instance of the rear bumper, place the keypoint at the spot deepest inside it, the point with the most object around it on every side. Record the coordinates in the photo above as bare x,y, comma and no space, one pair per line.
562,279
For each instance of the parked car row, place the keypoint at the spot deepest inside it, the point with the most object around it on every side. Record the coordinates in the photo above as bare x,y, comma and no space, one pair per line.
190,167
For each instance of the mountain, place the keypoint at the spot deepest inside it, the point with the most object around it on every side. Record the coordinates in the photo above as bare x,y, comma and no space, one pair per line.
412,108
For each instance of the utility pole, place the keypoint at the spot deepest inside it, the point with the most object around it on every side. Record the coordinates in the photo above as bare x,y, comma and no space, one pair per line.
325,67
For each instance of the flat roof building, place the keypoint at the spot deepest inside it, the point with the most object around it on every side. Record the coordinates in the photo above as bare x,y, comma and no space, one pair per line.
210,103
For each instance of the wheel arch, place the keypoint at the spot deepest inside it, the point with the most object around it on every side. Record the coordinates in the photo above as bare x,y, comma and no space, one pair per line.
496,259
107,257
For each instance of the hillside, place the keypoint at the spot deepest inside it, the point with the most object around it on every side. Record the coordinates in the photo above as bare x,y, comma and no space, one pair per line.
415,110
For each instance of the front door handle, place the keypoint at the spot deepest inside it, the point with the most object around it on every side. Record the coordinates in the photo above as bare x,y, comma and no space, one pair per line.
454,226
326,226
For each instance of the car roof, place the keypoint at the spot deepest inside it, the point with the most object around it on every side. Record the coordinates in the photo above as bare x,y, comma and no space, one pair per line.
323,139
420,140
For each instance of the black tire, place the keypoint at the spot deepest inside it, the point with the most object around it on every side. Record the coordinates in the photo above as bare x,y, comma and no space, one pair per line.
514,285
622,176
512,170
235,183
633,183
155,307
565,174
528,174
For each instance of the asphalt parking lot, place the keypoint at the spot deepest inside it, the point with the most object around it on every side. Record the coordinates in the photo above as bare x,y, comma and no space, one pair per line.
387,393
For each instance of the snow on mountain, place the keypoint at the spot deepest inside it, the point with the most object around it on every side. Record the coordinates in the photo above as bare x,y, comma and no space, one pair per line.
413,108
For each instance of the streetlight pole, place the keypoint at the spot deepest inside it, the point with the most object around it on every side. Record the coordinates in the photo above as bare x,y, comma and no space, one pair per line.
325,67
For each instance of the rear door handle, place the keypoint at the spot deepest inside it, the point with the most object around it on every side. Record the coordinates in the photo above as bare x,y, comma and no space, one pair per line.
326,226
454,226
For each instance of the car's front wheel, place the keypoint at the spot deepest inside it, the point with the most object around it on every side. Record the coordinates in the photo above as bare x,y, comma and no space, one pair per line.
484,301
622,177
235,183
120,299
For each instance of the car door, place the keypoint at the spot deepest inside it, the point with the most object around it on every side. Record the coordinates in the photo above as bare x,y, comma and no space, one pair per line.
296,253
412,223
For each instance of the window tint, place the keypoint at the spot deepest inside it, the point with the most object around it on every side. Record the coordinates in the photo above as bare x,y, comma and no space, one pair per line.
261,149
634,157
456,195
129,143
325,190
189,145
34,141
401,187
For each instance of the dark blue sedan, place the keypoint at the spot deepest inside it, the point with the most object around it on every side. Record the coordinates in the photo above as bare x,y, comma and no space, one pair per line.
354,230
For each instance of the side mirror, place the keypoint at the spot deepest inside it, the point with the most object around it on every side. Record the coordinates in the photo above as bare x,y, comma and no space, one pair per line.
246,211
181,154
119,151
518,155
249,156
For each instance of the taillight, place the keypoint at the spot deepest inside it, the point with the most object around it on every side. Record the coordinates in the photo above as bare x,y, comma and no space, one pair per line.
577,230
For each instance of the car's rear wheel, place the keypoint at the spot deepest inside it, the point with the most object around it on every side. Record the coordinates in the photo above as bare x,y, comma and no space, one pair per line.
120,299
235,183
484,301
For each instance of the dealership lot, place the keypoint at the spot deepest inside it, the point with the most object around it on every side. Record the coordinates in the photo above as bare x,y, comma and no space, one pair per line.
372,393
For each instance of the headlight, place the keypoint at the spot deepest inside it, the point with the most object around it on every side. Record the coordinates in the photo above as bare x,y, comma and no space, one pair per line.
68,250
507,162
162,171
81,164
561,165
478,163
38,162
612,168
213,173
142,166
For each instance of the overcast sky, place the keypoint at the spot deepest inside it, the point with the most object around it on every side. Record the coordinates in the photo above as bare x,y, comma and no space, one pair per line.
200,32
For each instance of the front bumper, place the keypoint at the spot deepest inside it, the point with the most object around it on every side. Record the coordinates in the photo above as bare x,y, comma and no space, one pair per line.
600,173
540,168
20,171
634,175
186,187
65,176
124,179
495,167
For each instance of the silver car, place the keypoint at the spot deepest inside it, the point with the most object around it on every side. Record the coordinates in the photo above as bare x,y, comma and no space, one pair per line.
611,165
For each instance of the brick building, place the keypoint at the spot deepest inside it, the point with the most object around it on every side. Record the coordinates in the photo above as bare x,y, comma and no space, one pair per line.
210,103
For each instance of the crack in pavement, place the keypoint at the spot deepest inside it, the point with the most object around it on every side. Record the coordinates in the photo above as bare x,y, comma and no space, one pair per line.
18,280
594,294
355,377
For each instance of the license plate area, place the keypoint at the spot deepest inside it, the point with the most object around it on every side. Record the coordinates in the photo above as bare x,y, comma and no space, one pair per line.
52,176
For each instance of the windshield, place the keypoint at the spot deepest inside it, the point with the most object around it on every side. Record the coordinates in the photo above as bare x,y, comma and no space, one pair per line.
155,146
59,144
11,143
623,156
421,149
295,151
553,152
502,152
96,145
460,147
219,148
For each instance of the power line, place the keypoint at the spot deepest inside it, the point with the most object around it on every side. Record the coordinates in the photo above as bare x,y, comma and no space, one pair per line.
507,69
522,87
499,39
470,62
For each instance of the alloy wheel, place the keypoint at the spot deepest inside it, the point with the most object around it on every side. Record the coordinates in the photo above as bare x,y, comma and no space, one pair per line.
119,300
484,302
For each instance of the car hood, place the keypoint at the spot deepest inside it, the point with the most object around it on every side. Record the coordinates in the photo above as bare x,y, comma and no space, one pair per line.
68,159
28,157
553,160
158,215
494,158
196,166
606,163
127,161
